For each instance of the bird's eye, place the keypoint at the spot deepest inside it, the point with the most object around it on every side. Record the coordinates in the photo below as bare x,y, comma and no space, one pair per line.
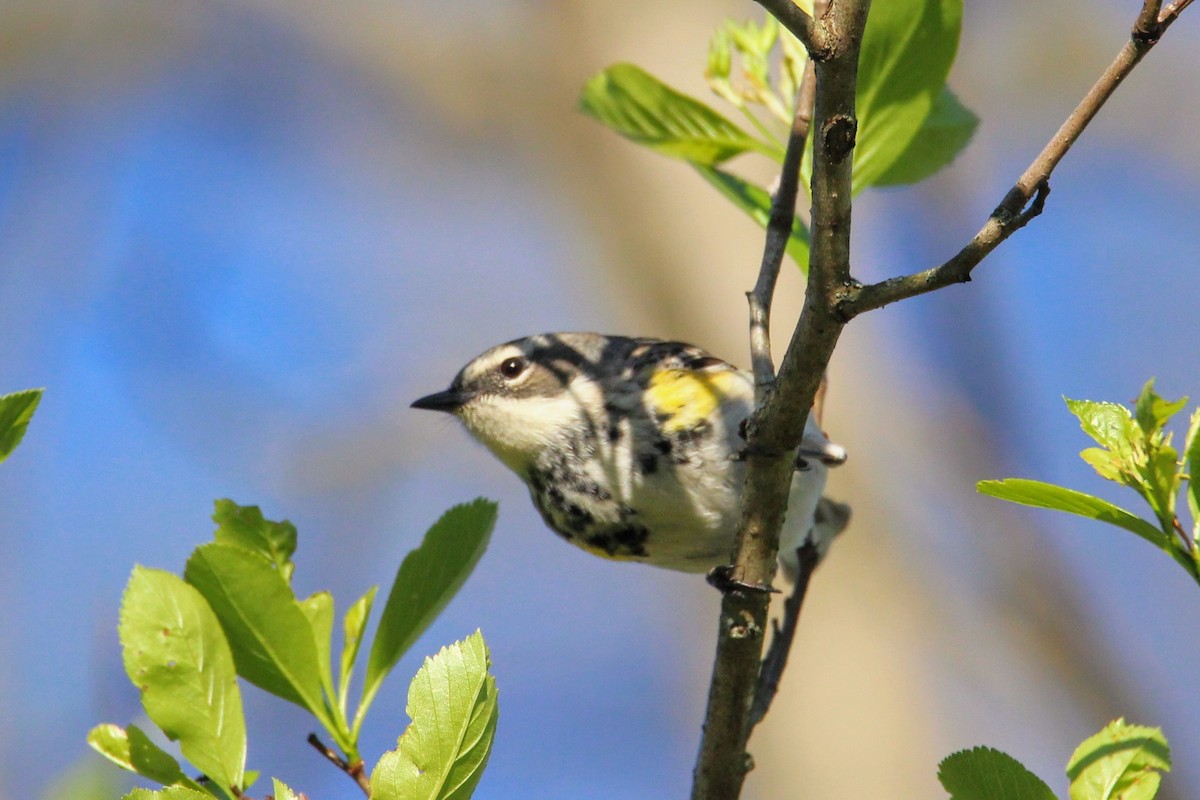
512,367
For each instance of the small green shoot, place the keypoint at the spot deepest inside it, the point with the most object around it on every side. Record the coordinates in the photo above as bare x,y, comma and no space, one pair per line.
1135,450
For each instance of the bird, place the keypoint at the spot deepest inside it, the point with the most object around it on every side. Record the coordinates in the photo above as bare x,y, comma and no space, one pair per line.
633,448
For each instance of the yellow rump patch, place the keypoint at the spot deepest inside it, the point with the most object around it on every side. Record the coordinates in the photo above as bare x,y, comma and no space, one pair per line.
685,397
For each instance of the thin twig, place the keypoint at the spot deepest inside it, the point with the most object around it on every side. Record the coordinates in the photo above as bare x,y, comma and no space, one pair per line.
797,21
1027,197
779,232
356,770
1171,13
775,661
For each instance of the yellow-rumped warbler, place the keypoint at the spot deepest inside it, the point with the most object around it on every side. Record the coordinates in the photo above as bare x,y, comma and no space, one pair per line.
631,448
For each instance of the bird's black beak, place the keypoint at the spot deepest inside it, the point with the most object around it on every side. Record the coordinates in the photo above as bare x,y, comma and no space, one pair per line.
449,401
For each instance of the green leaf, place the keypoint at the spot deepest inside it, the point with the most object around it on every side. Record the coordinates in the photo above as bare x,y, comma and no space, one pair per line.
1159,471
426,581
16,410
720,65
907,50
318,608
270,636
246,527
282,791
987,774
944,134
171,793
131,749
1152,412
1155,462
1138,454
1060,498
442,754
1191,465
753,44
756,202
354,624
1106,463
1120,762
176,654
638,106
1110,424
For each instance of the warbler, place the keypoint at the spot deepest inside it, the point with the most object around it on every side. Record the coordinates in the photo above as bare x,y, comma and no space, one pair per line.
632,448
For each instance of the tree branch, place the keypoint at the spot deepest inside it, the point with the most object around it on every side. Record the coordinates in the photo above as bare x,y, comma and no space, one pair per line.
774,431
779,232
356,770
1028,196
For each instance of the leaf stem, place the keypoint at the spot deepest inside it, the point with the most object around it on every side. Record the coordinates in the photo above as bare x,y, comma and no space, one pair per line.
343,692
343,736
364,703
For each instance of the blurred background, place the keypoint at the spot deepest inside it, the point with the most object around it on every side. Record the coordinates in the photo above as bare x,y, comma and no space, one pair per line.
239,238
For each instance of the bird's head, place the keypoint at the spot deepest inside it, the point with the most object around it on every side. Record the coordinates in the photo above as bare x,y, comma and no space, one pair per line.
517,398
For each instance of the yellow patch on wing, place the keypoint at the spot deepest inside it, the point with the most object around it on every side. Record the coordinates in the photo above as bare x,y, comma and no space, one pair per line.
686,397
